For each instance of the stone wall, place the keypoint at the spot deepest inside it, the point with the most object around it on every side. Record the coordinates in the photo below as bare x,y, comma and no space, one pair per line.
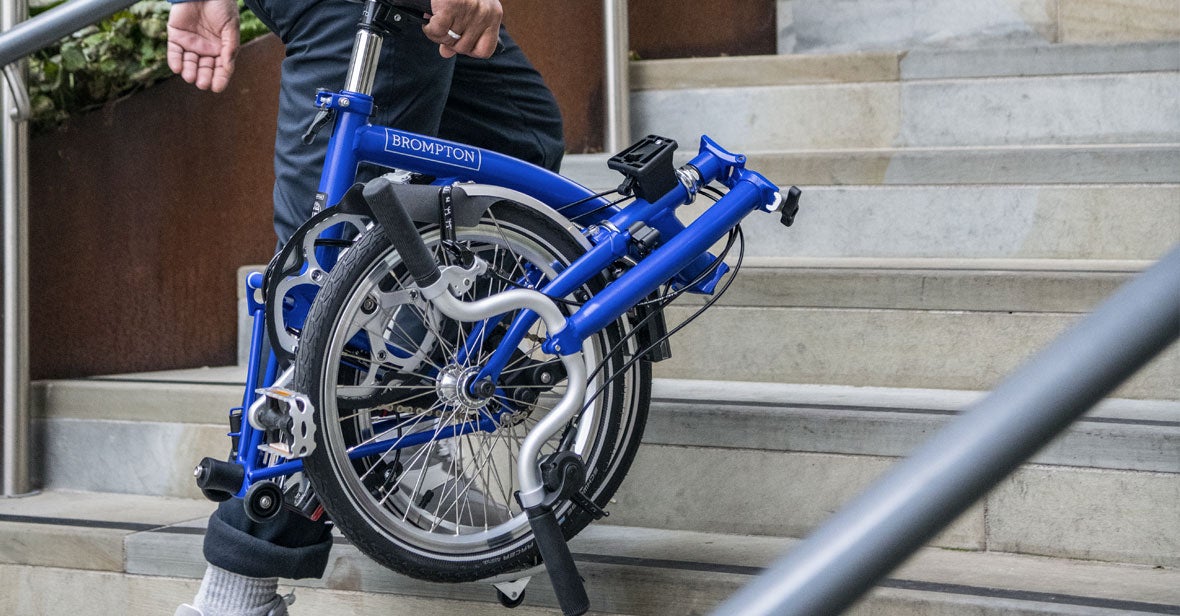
826,26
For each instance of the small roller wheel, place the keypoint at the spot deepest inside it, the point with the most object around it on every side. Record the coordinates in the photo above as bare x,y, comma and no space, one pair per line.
264,500
507,602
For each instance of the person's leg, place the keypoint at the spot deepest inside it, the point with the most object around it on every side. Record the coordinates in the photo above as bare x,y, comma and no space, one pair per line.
410,90
502,104
246,557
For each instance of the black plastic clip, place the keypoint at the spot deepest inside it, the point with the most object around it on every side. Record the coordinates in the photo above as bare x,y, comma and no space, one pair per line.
648,168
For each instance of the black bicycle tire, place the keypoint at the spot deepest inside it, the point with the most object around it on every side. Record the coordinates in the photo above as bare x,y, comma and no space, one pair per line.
604,477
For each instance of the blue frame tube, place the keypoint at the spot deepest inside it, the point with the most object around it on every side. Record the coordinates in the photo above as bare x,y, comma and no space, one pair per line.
660,266
340,162
485,424
577,274
355,140
398,149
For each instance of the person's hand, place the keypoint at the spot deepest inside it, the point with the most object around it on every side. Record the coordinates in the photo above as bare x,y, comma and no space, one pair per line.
202,42
469,27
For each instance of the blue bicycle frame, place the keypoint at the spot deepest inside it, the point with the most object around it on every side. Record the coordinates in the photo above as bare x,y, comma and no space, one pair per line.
680,254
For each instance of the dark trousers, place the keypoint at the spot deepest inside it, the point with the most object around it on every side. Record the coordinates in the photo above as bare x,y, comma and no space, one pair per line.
500,104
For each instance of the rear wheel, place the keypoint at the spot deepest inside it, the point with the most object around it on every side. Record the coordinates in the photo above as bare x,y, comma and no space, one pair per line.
399,463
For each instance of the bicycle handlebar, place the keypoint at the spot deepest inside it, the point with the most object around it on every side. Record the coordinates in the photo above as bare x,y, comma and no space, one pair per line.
400,229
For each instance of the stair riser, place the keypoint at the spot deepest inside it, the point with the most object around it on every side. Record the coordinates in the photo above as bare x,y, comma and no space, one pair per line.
1081,222
1124,108
38,590
1055,511
1117,515
812,26
1102,442
125,457
614,588
622,590
881,348
933,289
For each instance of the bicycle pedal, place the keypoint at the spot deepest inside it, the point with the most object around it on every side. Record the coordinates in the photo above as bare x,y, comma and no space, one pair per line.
278,449
290,413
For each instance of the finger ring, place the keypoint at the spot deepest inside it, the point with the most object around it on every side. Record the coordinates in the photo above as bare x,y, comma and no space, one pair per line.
454,35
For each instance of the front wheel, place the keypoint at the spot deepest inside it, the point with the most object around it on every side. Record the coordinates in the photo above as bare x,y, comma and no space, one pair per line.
419,473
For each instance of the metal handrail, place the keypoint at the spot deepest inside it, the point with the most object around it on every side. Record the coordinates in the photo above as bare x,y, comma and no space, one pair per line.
18,39
924,493
47,28
617,78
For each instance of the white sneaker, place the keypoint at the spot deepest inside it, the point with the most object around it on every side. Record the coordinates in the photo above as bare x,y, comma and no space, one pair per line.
277,607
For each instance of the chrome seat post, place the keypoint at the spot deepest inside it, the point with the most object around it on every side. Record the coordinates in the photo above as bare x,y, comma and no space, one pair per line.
362,68
376,20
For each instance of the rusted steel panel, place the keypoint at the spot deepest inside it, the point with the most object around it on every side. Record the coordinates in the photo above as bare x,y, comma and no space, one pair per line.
140,214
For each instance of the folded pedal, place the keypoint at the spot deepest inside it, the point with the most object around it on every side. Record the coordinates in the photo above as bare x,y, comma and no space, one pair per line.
289,413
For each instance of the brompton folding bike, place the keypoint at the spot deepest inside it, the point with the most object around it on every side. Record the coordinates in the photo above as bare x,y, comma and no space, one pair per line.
453,362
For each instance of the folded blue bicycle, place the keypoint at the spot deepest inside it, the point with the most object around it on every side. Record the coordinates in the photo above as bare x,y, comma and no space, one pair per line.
453,362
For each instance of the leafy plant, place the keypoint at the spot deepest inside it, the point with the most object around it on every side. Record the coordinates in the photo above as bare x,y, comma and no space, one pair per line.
98,64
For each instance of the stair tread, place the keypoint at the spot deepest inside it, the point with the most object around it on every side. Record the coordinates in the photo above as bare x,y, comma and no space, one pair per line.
689,390
948,165
672,555
919,64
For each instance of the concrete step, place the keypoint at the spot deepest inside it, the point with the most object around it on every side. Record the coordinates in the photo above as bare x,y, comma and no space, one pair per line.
1089,164
642,571
938,349
815,446
880,101
135,434
969,285
909,323
910,65
777,459
816,26
1103,222
931,211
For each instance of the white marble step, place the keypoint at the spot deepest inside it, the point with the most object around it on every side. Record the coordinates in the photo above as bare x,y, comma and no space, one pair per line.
1040,165
1025,96
822,26
151,564
783,455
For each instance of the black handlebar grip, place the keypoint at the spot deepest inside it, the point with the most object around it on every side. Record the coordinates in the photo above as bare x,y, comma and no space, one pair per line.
382,198
563,574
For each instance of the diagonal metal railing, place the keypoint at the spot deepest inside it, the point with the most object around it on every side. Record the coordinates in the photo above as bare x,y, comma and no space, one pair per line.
19,38
899,513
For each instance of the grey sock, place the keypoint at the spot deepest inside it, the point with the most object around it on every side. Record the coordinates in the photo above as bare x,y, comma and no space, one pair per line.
224,593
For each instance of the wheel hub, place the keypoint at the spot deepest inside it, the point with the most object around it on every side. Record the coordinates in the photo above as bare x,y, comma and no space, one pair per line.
454,387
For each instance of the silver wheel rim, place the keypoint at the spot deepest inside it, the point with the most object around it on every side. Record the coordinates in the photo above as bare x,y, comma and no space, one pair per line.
471,510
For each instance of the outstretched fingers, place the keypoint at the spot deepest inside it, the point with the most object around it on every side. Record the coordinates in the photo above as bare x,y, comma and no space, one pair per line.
203,42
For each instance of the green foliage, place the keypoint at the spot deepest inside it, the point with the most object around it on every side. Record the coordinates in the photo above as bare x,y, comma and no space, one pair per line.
101,63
